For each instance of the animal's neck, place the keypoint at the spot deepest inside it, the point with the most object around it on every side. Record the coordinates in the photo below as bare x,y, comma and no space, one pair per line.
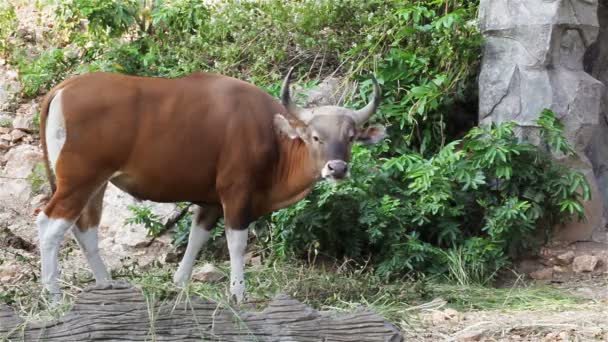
294,174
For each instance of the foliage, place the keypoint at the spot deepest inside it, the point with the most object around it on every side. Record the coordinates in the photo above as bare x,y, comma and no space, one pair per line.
37,178
8,25
4,122
105,18
145,216
44,72
461,212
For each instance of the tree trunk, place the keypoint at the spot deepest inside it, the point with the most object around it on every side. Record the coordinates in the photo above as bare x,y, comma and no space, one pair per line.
124,315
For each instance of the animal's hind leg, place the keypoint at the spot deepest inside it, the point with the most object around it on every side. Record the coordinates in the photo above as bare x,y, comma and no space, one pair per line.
203,220
53,222
85,232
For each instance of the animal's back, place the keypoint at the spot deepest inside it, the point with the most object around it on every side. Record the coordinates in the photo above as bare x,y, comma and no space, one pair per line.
169,139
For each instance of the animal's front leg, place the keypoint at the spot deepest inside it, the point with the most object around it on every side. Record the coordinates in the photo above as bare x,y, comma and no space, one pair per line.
237,243
203,221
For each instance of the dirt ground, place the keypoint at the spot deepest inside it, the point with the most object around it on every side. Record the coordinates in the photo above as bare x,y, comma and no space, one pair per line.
579,314
585,321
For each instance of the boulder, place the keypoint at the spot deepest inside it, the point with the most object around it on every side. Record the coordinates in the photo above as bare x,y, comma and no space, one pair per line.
24,120
10,272
470,335
584,263
542,274
534,58
10,88
207,273
447,315
565,259
15,188
120,240
17,135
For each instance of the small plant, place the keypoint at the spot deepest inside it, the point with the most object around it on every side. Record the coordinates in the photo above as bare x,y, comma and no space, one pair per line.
5,123
37,179
43,72
8,26
36,121
145,216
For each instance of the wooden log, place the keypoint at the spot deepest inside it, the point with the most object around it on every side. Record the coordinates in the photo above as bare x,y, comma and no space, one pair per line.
124,315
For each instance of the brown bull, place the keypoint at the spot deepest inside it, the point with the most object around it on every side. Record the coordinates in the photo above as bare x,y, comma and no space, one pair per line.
218,142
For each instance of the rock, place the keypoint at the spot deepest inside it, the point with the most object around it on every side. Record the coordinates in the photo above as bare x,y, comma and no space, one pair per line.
447,315
533,59
39,201
252,260
470,336
584,263
559,269
123,241
15,190
10,273
4,130
556,337
10,88
117,203
207,273
17,135
23,123
256,261
6,137
331,91
565,259
24,120
542,274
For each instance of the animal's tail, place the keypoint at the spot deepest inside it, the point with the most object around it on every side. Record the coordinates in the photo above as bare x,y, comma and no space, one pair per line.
44,111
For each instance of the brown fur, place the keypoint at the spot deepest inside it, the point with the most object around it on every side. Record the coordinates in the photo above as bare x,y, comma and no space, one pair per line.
205,139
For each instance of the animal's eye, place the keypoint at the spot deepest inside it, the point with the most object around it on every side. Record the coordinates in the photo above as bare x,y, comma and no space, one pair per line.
315,138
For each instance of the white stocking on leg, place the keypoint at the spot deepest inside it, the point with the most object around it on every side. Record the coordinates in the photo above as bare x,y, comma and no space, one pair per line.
237,243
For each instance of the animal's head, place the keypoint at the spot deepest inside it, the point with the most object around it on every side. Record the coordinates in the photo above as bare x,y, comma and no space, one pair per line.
329,131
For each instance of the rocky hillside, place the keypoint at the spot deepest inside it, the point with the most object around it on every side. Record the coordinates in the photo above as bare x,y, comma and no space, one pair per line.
24,189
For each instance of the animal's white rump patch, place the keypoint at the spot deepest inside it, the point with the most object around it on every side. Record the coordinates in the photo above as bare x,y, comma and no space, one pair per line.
55,129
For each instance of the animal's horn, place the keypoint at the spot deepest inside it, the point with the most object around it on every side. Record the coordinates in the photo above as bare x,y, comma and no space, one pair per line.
292,108
362,115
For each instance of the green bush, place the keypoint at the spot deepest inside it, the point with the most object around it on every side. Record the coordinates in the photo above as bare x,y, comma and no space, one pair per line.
44,72
482,198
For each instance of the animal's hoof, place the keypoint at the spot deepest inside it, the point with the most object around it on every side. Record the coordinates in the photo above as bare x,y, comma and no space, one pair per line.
237,297
180,280
109,285
55,299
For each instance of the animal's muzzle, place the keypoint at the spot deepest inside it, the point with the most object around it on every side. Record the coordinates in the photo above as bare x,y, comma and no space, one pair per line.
336,169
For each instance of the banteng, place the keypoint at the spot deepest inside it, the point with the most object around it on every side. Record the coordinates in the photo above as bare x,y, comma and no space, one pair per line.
215,141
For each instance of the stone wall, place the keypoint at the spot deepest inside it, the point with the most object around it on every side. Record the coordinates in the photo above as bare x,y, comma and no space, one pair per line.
537,55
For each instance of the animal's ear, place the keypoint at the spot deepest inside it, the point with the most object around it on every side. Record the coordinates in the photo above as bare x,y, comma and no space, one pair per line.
283,126
371,135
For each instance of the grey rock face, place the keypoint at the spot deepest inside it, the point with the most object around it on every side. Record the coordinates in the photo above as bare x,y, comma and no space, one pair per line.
536,56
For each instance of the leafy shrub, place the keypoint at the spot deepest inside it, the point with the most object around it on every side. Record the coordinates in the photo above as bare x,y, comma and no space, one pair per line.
105,18
44,72
479,199
144,215
37,179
